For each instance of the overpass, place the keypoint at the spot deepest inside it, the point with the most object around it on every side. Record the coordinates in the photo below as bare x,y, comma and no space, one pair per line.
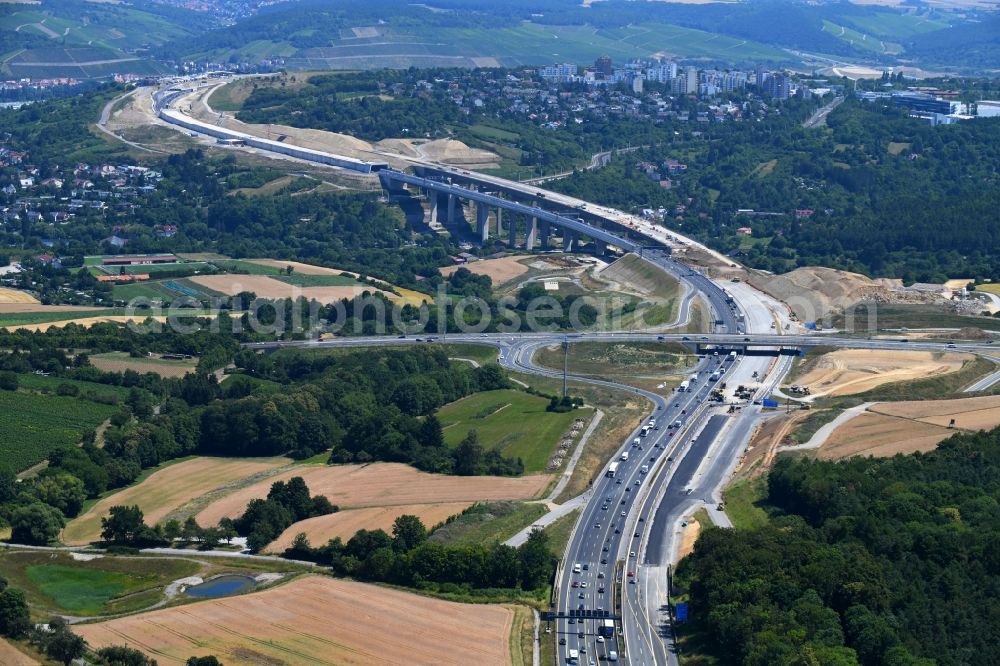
539,220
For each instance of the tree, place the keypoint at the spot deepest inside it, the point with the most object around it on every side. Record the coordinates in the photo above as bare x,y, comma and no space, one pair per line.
122,525
431,434
62,491
65,646
8,380
469,455
35,524
192,530
537,563
15,617
117,655
203,661
408,532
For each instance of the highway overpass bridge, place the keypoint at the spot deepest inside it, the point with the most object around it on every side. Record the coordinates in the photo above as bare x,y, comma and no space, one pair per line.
528,215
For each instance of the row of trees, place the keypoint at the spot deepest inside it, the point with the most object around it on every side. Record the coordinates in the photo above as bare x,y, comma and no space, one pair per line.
406,558
865,561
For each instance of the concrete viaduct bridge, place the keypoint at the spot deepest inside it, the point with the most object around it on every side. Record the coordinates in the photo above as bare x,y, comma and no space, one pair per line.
532,215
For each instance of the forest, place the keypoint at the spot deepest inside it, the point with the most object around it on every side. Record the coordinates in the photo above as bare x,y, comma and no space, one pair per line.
887,195
864,561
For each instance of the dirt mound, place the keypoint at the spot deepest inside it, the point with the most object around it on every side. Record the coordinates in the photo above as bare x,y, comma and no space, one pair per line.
815,293
455,152
967,333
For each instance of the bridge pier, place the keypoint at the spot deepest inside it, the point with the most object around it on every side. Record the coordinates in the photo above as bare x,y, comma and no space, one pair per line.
600,248
569,240
500,222
512,232
482,221
529,241
543,234
451,209
434,205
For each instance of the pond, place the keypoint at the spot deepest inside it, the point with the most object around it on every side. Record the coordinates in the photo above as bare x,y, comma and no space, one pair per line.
221,586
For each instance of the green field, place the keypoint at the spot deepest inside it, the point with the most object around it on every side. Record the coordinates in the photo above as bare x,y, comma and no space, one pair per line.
895,25
616,360
525,44
56,583
303,280
25,318
514,422
34,425
861,40
488,522
111,25
49,384
742,503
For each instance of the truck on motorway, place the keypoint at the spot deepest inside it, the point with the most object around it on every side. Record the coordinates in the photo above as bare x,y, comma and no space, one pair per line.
732,355
576,568
685,386
612,470
644,469
644,431
624,456
573,656
716,375
606,628
693,378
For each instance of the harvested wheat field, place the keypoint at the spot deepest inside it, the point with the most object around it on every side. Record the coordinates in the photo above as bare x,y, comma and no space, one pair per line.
381,484
878,435
344,524
850,371
304,269
169,489
268,287
317,620
19,308
499,270
16,296
86,322
121,361
11,656
969,413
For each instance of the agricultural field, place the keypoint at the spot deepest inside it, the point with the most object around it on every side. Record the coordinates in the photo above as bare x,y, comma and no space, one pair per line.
33,425
895,25
380,484
109,26
527,43
11,656
168,490
904,427
848,372
513,422
60,583
318,620
489,522
121,361
500,270
49,384
344,524
8,295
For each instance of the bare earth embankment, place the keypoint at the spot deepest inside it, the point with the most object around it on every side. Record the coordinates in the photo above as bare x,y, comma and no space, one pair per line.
851,371
317,620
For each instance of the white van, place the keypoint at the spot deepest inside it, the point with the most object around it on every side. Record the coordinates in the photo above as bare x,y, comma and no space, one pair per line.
576,568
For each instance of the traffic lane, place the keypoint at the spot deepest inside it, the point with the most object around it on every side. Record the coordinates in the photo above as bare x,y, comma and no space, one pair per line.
677,491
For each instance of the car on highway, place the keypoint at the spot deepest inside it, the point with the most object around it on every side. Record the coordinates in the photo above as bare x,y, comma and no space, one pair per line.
604,560
600,639
576,583
597,526
562,641
581,596
623,514
579,634
631,574
631,553
583,584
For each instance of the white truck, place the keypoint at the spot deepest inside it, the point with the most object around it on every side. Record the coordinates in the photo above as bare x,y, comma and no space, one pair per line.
573,657
624,456
644,469
685,386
